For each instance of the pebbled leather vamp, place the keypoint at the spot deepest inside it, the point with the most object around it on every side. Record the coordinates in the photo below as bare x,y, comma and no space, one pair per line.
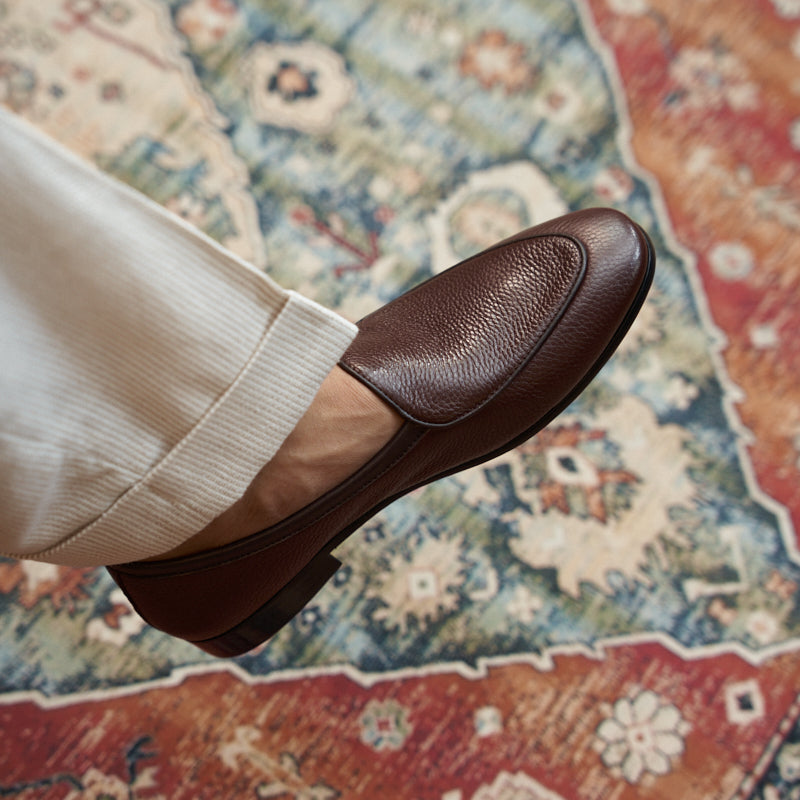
441,351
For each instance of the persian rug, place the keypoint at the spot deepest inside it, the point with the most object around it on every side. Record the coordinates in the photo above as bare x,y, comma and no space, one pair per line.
609,611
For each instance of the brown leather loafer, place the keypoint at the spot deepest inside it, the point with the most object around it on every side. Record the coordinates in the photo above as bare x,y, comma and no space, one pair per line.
477,360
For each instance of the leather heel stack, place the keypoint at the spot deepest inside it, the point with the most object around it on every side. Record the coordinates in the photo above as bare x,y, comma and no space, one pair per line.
274,614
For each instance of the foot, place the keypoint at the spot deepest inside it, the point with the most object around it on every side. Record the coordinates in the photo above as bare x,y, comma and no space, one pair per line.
476,360
344,427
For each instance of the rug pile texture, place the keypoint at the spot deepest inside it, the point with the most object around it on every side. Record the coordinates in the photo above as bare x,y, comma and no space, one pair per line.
611,610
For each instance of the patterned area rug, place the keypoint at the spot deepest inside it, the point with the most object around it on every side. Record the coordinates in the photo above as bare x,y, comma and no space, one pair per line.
609,611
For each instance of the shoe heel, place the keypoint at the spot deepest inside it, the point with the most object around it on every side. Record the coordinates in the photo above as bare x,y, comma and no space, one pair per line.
273,615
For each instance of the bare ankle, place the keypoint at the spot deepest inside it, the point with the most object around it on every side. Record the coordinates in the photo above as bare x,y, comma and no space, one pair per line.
343,428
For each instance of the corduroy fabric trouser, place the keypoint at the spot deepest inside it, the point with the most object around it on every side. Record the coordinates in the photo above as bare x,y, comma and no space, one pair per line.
146,374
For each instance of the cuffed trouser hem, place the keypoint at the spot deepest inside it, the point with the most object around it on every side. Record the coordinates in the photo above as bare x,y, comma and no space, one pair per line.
209,469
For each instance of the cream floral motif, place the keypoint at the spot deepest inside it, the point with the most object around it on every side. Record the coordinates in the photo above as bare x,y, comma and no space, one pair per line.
99,786
282,773
420,587
38,574
488,217
613,185
301,86
589,545
634,8
713,79
641,735
763,626
680,393
384,725
207,22
731,261
790,9
524,605
496,61
118,626
764,336
490,206
488,721
559,101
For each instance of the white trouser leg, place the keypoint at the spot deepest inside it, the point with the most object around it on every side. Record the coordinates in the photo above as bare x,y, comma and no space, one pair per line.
146,374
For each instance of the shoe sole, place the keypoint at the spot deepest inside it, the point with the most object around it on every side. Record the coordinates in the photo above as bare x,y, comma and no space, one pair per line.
264,623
